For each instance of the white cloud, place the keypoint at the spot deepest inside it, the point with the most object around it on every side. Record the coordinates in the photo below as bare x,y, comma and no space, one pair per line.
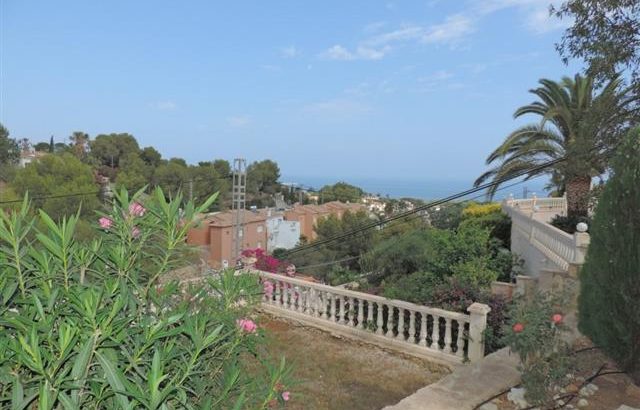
451,31
374,27
535,12
289,52
238,121
540,22
338,52
166,105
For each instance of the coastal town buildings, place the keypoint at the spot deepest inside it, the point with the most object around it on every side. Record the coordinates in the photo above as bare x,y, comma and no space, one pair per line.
266,228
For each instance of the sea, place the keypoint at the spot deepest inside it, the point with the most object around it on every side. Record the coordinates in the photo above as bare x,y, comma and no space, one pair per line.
425,189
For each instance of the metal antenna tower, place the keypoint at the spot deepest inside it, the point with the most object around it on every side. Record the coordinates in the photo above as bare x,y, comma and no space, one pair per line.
238,203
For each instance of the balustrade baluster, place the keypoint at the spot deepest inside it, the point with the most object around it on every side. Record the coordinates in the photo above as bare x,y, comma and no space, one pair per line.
455,348
389,332
435,333
369,313
352,312
447,335
277,290
341,313
285,294
360,313
298,294
423,331
400,334
332,299
412,326
310,298
321,305
380,321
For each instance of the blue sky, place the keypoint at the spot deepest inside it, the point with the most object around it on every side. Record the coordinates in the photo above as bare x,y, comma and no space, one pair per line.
342,89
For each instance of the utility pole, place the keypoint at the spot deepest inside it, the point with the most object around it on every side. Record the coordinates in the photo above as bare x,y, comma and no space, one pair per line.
238,201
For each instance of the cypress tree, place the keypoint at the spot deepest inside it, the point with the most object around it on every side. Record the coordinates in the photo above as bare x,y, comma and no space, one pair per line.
609,302
51,145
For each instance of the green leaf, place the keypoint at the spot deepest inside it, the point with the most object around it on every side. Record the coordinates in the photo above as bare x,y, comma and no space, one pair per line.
81,366
115,379
17,395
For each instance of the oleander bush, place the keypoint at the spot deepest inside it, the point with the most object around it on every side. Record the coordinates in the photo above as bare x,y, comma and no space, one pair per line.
88,324
534,331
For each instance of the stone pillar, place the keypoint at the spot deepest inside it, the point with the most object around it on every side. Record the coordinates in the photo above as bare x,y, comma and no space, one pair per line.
477,326
525,285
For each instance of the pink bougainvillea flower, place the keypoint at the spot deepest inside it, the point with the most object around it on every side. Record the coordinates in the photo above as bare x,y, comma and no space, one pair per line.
518,327
246,325
286,395
105,223
136,209
557,318
135,232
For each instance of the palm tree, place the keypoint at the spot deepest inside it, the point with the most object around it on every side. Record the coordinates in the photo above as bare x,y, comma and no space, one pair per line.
79,141
579,122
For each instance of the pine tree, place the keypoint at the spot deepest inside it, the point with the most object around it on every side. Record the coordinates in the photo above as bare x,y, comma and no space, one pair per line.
609,302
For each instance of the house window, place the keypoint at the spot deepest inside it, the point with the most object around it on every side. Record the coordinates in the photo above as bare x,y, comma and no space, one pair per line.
260,228
241,232
259,245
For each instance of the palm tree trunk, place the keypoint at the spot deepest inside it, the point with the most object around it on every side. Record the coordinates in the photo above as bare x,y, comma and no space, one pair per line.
578,189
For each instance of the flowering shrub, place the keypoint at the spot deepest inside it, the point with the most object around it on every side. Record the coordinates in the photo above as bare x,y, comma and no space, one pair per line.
264,262
476,210
534,332
88,325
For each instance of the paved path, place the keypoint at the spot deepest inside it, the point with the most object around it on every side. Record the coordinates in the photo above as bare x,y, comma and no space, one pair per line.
467,386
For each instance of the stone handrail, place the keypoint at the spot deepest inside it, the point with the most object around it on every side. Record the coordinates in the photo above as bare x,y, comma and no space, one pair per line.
558,205
445,336
561,248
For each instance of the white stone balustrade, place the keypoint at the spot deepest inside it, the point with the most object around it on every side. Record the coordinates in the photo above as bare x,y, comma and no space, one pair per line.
530,219
448,337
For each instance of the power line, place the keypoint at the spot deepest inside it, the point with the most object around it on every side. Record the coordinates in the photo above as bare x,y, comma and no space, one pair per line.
427,206
404,220
531,172
74,194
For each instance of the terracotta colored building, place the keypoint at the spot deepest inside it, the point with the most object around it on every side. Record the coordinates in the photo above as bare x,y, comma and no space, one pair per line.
216,235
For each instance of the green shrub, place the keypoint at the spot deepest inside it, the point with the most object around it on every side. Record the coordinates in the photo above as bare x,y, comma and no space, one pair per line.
417,287
87,324
609,302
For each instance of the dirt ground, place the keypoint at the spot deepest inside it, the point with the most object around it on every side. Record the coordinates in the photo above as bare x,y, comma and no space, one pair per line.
613,391
340,374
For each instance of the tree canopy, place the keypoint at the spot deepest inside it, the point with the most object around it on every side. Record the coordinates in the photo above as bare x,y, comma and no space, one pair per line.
341,191
58,175
604,33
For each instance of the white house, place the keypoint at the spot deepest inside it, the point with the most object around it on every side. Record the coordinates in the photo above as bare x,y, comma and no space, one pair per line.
282,233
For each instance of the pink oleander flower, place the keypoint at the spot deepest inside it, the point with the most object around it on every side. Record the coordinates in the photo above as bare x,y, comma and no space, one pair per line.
286,395
518,328
247,325
136,209
135,232
105,223
557,318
